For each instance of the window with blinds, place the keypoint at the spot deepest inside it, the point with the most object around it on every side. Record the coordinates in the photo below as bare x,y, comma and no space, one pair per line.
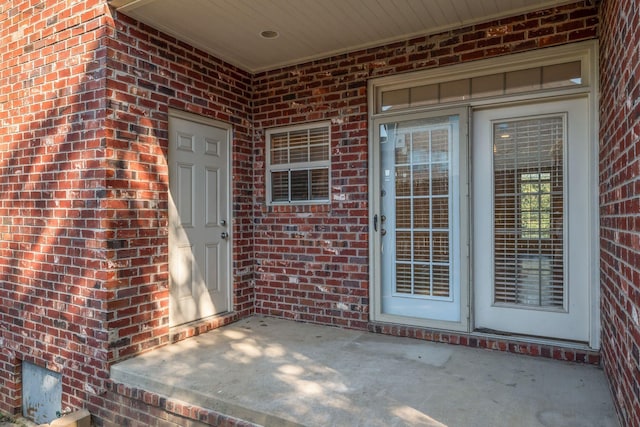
422,209
298,164
529,211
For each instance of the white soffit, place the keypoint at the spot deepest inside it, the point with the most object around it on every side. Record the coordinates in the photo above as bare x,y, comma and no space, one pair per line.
310,29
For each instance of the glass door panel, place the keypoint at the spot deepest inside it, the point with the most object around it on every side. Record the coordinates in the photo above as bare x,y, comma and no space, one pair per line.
528,181
419,178
531,205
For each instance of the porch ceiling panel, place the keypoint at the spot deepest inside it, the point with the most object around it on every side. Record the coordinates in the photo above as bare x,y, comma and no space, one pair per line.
310,29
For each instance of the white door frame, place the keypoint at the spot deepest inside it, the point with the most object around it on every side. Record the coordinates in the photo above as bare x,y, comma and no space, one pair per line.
585,52
570,322
183,115
458,225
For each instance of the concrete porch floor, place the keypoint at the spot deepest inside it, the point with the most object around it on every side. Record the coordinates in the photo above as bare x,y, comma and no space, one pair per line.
281,373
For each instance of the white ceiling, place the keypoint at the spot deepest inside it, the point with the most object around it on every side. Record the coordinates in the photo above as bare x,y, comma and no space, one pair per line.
309,29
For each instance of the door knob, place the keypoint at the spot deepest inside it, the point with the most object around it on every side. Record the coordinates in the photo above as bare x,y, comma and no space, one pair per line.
223,222
383,232
224,235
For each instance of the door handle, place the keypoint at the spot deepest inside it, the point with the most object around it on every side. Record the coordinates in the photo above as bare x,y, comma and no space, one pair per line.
224,235
223,222
375,222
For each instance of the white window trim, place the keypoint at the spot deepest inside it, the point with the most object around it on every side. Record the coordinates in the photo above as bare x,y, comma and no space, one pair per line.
296,166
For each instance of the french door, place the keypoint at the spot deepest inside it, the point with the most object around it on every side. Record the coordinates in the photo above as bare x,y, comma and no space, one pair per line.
420,229
483,196
527,230
531,219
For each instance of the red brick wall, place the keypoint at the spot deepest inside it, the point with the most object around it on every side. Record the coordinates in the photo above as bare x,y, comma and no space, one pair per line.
147,73
83,181
126,406
83,188
312,261
52,301
620,202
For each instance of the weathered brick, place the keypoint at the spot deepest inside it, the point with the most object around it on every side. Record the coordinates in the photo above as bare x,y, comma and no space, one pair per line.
84,196
619,193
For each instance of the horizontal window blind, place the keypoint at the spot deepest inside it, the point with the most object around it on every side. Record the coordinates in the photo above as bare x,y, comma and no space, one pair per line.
422,209
529,212
299,164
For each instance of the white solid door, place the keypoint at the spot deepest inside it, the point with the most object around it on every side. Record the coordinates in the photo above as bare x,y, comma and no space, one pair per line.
531,204
419,227
199,226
